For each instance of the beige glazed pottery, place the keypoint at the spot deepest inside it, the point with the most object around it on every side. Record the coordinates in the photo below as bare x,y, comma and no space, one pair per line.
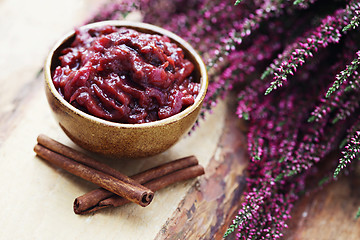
121,139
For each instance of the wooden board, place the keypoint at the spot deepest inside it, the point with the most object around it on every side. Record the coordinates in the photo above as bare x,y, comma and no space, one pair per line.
207,209
329,212
37,198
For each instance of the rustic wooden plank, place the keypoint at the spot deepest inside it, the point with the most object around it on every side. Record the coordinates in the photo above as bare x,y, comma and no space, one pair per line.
329,213
39,196
210,205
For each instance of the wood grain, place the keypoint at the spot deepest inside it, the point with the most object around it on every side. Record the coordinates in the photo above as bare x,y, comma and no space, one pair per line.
50,192
210,205
329,213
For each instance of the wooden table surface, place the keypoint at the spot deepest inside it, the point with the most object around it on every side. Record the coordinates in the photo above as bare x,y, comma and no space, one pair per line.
37,198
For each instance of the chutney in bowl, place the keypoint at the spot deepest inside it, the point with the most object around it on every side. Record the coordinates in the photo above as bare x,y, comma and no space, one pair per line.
156,104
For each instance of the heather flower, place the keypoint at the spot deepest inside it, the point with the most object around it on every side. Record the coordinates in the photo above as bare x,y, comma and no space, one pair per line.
292,145
240,65
347,108
344,87
354,23
303,3
352,151
246,26
295,55
344,74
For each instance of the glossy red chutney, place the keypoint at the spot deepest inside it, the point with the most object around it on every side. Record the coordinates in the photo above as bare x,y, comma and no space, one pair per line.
125,76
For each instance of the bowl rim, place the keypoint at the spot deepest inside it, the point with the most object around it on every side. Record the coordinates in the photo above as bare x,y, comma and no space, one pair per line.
137,25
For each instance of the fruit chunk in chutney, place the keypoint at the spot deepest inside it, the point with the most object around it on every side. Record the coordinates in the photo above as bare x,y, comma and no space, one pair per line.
125,76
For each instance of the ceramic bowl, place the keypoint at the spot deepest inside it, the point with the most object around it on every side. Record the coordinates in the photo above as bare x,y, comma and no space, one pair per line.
122,139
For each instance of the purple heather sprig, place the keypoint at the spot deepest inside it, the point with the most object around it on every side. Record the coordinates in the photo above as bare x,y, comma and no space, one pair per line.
246,26
353,83
284,141
267,204
352,151
348,107
273,172
252,104
354,23
295,55
344,74
338,95
240,64
351,132
264,214
265,194
303,3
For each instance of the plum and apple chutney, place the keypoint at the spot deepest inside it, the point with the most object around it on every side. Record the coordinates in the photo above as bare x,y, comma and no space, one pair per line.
125,76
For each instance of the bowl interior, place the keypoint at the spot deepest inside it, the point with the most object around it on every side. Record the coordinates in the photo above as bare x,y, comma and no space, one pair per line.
199,73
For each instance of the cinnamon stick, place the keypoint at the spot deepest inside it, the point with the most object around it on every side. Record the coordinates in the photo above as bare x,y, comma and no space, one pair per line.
92,199
128,189
154,185
84,159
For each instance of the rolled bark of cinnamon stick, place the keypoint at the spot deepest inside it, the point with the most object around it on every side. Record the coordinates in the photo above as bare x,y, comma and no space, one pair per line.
91,199
140,195
84,159
154,185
